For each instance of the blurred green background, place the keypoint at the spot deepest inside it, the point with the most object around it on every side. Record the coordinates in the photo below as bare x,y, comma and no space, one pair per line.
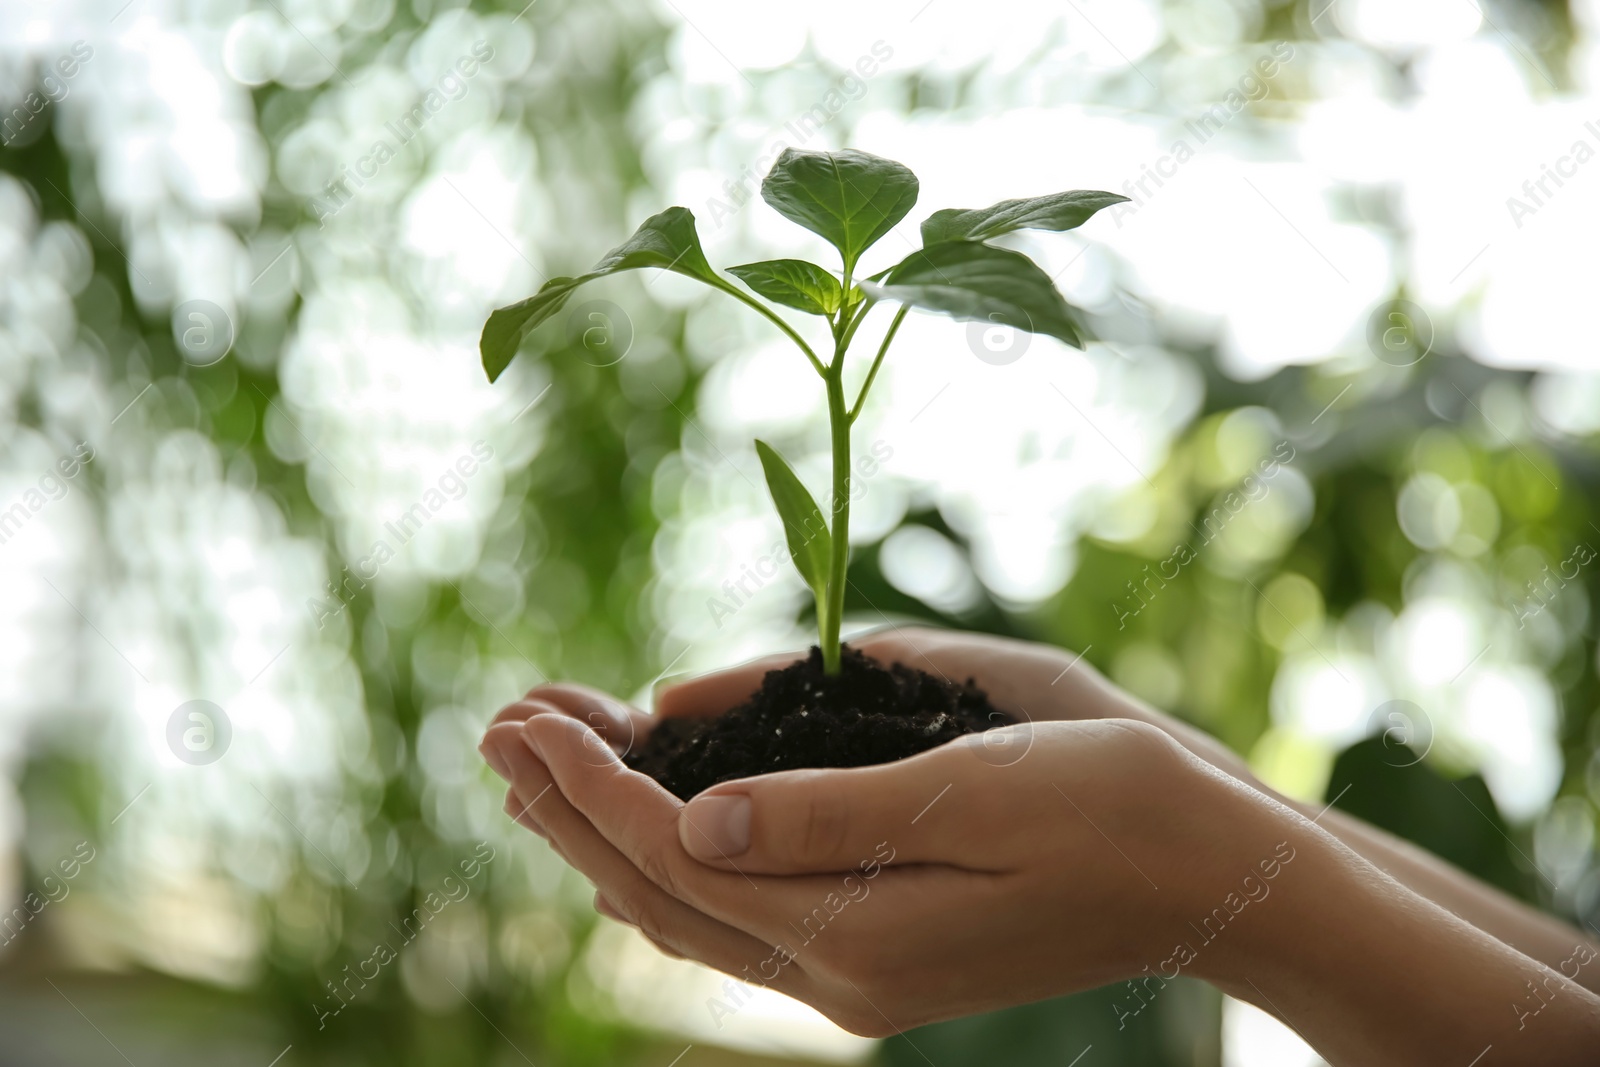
1327,486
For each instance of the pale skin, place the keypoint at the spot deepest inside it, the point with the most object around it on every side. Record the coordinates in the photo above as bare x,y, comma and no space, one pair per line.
1103,842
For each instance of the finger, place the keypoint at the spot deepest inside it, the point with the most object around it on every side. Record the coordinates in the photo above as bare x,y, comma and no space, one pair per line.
640,819
513,715
926,809
515,808
609,910
621,724
715,693
673,925
580,701
1028,681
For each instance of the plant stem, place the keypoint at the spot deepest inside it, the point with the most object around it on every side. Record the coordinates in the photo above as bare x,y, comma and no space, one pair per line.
839,421
849,328
877,361
784,326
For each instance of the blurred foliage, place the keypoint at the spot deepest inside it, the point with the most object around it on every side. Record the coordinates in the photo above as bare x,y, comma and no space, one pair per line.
579,524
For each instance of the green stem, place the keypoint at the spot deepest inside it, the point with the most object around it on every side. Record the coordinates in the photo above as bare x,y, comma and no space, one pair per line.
849,329
777,321
877,361
839,420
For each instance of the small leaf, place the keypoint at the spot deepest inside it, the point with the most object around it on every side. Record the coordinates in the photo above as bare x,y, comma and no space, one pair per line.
804,527
793,283
667,240
852,298
850,198
979,282
1058,211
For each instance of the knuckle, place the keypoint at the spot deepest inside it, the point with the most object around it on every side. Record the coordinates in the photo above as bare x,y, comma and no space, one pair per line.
1147,740
832,960
655,867
670,953
639,908
898,643
858,958
650,925
861,1021
820,826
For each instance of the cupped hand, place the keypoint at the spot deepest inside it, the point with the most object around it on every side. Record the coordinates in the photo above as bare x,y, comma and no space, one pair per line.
963,879
1029,681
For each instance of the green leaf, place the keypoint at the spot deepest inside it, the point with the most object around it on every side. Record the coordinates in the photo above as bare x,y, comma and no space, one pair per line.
667,241
793,283
804,527
982,283
1058,211
850,198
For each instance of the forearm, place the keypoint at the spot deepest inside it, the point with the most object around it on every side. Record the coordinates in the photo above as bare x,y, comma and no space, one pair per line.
1041,682
1532,932
1371,973
1526,929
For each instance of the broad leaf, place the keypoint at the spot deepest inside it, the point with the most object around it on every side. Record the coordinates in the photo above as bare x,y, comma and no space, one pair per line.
792,283
804,527
981,283
850,198
667,241
1058,211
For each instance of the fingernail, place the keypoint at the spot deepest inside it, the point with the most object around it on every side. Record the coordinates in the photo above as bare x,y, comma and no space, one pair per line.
491,755
665,682
532,742
716,827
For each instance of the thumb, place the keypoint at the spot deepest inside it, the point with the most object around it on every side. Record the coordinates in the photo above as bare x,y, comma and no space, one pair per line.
680,696
811,821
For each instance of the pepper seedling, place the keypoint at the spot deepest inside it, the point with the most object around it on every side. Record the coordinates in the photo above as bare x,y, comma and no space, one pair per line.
851,199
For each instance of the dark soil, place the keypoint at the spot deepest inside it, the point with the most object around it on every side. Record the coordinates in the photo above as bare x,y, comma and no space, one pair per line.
802,718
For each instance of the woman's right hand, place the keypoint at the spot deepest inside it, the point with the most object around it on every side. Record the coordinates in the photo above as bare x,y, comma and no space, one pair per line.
1030,681
1036,875
1038,683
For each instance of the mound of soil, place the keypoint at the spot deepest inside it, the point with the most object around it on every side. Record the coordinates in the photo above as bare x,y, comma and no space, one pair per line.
800,717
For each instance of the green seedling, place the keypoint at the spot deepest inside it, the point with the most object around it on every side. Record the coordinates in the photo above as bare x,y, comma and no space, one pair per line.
851,199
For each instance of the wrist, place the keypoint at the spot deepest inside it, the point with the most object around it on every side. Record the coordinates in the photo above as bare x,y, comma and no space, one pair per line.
1371,973
1238,853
